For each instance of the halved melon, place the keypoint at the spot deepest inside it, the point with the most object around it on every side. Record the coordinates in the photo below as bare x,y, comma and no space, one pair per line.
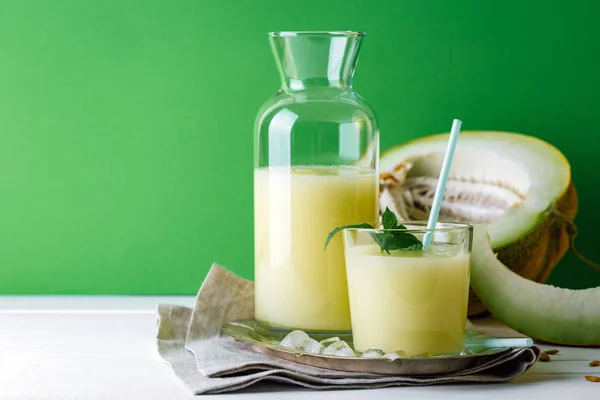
519,185
540,311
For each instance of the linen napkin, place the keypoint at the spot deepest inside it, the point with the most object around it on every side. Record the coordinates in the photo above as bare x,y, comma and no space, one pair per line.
208,362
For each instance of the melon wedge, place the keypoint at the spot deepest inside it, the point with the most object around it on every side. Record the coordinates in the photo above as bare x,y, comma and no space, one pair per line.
537,310
518,185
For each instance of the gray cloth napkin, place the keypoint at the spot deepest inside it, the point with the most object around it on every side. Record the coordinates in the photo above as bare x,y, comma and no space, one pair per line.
207,362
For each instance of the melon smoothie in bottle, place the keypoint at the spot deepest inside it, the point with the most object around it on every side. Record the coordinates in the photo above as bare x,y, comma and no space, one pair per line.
299,284
316,168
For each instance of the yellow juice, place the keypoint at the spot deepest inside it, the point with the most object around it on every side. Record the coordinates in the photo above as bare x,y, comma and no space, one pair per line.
298,284
414,301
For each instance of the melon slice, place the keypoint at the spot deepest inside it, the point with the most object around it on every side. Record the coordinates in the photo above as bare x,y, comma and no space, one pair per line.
540,311
519,185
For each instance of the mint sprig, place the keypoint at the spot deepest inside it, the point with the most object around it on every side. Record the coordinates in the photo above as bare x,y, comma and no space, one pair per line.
390,240
341,228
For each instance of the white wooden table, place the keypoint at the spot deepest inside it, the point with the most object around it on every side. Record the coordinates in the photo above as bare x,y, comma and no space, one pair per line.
88,348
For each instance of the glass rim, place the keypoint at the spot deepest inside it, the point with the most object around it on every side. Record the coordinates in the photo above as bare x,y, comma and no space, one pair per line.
317,33
454,226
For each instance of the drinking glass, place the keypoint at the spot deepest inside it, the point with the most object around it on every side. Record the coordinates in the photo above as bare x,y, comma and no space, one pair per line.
411,301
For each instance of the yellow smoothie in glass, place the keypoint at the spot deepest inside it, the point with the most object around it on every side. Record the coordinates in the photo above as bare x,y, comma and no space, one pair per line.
297,283
413,301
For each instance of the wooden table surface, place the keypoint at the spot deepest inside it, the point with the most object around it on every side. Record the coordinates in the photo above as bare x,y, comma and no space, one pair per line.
84,347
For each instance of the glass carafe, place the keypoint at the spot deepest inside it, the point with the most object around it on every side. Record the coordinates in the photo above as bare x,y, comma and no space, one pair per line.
316,168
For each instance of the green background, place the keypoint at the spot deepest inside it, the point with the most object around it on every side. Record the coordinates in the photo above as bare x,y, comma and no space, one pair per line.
126,125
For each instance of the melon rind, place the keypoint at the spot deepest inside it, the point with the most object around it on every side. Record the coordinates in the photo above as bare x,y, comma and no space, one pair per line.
549,169
543,312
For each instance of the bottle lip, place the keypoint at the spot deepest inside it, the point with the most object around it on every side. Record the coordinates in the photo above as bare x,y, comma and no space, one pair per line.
317,33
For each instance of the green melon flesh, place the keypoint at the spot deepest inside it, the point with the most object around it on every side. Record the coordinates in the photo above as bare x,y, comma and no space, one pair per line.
540,311
515,179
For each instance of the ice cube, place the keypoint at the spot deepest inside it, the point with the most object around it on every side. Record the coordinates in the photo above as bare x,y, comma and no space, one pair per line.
395,355
300,341
328,341
312,346
339,348
372,353
294,338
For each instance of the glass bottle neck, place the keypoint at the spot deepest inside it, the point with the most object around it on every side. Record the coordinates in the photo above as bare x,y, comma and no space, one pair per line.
315,60
296,85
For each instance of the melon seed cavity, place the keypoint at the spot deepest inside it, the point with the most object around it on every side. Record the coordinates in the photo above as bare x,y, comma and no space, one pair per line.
463,200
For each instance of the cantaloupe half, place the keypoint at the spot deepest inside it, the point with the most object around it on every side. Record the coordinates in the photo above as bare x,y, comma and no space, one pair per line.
540,311
518,185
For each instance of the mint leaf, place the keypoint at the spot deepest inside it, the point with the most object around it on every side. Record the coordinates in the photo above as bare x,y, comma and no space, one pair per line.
399,240
414,247
379,238
341,228
389,219
393,239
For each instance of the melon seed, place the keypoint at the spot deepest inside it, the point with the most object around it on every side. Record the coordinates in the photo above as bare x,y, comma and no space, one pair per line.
595,363
551,352
544,357
592,378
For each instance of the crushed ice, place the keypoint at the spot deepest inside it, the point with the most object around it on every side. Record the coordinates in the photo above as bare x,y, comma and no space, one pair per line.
373,353
300,341
339,348
395,355
330,340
